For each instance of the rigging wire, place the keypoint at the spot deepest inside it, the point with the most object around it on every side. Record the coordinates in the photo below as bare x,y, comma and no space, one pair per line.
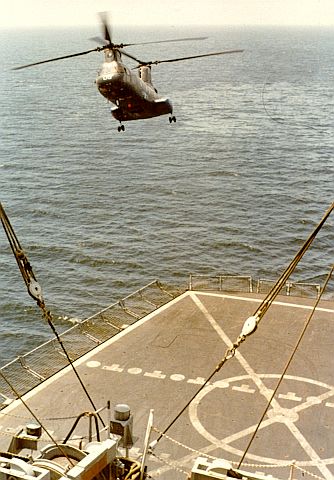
35,292
252,322
48,317
307,323
17,394
218,367
266,303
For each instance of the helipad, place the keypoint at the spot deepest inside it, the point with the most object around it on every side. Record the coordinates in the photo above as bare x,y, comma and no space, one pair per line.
160,361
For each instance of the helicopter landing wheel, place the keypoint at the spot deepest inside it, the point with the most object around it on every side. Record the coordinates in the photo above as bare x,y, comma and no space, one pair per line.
121,128
172,119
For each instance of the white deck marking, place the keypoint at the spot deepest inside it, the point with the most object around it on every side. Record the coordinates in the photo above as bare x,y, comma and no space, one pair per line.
177,377
290,396
155,374
128,330
196,381
310,400
286,416
135,371
287,419
258,300
93,364
114,367
244,389
256,379
184,461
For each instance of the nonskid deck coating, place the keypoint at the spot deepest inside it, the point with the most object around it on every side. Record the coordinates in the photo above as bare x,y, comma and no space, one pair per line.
159,362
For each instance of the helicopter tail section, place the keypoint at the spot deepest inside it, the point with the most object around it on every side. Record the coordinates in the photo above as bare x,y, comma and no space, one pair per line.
127,110
164,105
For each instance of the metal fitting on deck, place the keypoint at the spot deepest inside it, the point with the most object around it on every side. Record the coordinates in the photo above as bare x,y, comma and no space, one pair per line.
122,424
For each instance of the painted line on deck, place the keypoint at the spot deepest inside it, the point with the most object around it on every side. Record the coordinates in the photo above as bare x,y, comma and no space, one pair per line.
263,390
259,300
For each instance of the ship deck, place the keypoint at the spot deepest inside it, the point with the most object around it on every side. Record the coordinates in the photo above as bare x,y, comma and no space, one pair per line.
160,361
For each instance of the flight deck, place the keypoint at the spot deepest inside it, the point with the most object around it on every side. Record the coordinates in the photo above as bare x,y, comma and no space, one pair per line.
160,361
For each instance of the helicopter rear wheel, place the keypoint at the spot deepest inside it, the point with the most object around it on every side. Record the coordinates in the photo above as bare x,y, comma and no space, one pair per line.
121,128
172,119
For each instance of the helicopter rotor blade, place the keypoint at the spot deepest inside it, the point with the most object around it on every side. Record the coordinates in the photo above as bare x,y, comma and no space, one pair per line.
55,59
123,52
99,40
106,27
225,52
165,41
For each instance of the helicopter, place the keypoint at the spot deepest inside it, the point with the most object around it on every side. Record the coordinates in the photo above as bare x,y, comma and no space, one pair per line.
132,93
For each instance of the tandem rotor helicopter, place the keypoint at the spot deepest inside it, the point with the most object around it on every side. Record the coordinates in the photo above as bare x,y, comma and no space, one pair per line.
132,93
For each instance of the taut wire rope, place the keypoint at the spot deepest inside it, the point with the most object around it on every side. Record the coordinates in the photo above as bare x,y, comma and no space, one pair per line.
306,324
35,292
251,324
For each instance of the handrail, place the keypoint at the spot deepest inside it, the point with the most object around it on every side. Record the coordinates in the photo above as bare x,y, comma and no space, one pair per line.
28,370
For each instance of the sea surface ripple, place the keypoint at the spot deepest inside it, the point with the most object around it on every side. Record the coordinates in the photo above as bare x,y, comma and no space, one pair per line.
234,187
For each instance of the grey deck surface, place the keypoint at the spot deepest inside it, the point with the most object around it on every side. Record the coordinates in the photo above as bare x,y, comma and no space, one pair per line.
160,362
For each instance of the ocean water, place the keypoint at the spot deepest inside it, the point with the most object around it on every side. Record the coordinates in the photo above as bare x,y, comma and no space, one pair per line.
234,187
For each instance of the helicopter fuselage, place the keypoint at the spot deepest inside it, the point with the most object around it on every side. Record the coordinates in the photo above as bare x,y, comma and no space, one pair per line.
133,94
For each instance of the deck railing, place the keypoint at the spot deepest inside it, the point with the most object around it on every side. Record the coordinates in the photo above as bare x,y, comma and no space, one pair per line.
27,371
246,284
226,283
